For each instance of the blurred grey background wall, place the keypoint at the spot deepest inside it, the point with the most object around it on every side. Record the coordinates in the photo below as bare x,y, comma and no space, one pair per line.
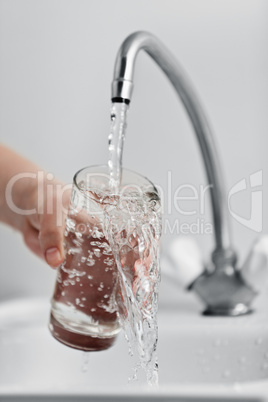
56,65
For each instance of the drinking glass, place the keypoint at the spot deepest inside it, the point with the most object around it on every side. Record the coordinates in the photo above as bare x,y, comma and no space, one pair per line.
84,307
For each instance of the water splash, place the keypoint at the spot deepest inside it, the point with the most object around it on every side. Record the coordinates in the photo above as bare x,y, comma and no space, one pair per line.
137,257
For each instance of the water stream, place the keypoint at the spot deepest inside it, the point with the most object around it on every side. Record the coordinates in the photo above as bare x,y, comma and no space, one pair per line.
133,228
116,143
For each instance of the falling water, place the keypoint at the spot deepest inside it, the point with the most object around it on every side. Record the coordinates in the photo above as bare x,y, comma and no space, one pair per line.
133,229
116,143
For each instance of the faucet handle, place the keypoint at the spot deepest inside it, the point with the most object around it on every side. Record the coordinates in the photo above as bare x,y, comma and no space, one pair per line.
219,284
183,261
255,268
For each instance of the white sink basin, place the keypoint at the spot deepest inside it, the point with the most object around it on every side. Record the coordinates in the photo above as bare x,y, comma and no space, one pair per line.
200,359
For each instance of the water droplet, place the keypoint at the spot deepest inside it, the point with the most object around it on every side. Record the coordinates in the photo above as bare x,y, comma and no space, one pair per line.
90,262
85,362
109,261
97,252
134,377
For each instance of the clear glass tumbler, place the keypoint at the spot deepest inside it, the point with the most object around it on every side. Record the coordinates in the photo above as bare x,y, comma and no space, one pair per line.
84,311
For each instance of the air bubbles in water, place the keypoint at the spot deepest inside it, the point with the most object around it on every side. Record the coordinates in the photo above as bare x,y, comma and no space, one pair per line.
85,362
139,277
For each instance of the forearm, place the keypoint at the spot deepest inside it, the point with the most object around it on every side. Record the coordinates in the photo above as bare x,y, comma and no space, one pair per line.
15,186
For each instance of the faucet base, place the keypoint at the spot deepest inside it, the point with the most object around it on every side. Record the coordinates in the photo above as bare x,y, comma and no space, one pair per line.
239,309
224,292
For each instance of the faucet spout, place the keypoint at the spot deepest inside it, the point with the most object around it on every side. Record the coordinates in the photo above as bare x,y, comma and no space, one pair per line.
223,256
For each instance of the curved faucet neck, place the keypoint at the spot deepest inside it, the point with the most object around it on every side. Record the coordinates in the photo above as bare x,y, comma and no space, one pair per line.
122,88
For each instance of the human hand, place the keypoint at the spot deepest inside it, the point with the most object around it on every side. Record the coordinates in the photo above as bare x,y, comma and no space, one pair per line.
43,230
34,203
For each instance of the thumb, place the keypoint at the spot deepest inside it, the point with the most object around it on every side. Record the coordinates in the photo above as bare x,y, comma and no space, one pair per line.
51,233
51,241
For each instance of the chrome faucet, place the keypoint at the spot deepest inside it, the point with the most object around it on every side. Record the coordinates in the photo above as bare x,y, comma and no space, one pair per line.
221,287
